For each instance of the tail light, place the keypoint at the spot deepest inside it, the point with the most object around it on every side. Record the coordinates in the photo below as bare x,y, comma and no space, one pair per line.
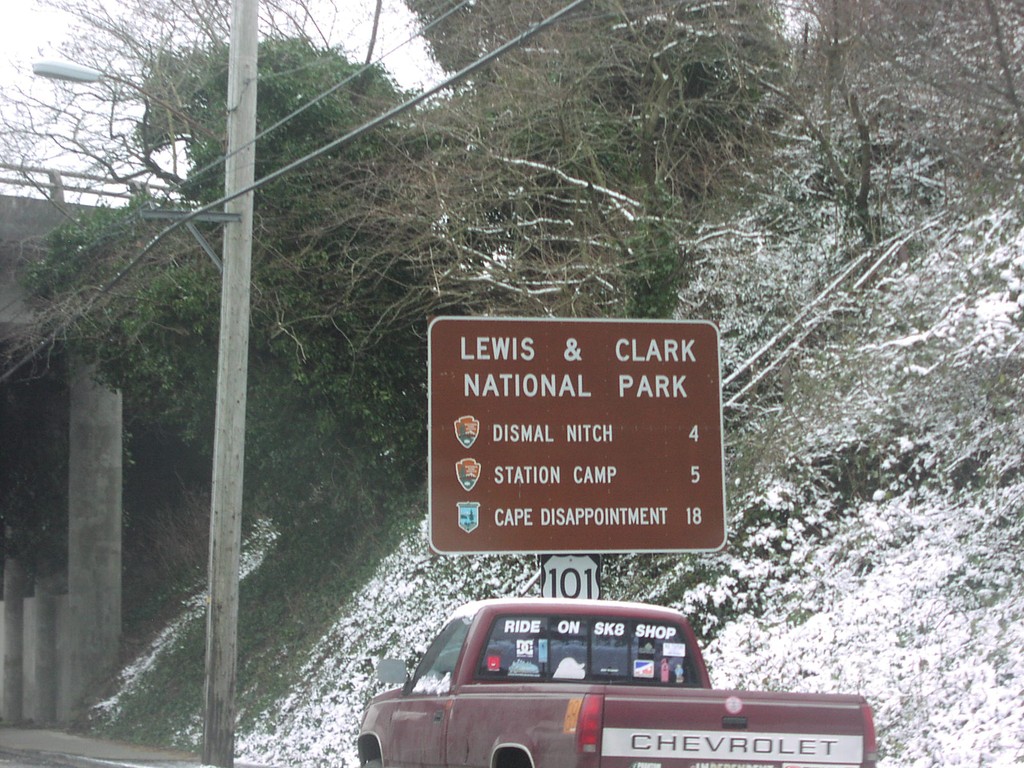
870,742
588,728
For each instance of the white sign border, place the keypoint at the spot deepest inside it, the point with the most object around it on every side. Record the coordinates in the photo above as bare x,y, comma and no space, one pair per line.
563,320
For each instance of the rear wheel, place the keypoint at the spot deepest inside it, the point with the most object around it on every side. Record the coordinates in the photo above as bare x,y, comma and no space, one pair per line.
512,758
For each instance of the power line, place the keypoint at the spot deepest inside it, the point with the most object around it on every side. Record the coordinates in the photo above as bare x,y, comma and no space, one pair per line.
458,77
188,221
332,90
347,138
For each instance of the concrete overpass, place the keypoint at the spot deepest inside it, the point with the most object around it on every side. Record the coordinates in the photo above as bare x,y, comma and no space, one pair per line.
61,634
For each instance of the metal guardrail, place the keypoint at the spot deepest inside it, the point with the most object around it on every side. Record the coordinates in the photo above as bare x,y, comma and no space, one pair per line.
53,184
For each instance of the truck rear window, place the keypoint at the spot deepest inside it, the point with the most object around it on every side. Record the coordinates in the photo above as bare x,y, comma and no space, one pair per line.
591,648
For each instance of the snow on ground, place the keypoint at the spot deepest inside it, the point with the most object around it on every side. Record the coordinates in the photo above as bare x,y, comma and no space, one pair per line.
916,607
906,592
913,601
394,616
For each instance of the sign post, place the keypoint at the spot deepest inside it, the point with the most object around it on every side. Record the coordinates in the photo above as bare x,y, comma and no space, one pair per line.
574,436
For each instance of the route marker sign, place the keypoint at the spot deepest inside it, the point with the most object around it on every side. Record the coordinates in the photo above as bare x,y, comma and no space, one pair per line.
571,576
574,436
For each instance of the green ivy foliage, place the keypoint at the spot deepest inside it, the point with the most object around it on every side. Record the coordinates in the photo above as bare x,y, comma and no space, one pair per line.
321,356
544,190
76,250
336,393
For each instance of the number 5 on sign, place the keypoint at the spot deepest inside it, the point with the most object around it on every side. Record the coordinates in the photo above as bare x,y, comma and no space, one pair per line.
571,576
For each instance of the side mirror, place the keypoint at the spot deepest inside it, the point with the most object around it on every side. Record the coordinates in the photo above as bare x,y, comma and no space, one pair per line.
392,671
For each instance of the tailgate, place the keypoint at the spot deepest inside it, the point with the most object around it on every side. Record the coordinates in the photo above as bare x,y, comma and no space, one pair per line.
706,729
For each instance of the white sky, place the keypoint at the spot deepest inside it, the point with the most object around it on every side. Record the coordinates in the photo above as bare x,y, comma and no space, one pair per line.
29,32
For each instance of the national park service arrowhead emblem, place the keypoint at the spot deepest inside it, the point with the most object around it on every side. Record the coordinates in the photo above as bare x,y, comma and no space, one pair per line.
468,472
466,430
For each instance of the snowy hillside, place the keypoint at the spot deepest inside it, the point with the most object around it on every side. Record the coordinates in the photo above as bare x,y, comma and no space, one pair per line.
903,589
876,503
914,600
836,185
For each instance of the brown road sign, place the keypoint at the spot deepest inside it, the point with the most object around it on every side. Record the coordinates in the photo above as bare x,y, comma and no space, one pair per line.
563,436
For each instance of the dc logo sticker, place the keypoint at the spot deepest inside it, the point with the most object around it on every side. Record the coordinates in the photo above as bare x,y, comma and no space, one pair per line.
469,515
466,430
468,471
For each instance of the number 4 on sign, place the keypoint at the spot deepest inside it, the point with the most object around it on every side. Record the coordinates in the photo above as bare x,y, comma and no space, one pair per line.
695,434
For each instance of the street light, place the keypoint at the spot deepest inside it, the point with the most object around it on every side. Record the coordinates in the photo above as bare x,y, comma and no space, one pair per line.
69,71
66,70
232,375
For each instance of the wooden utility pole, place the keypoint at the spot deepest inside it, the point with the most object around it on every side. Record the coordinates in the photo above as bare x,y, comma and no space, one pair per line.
232,372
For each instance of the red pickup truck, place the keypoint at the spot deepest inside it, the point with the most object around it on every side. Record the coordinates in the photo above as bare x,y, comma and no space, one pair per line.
539,683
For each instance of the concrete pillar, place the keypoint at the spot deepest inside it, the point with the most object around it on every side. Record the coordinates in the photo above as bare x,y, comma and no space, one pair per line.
14,641
45,664
65,707
29,655
94,534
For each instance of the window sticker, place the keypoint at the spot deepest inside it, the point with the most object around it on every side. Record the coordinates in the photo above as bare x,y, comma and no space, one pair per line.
643,668
570,669
673,649
521,668
542,651
586,647
656,631
522,626
610,628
